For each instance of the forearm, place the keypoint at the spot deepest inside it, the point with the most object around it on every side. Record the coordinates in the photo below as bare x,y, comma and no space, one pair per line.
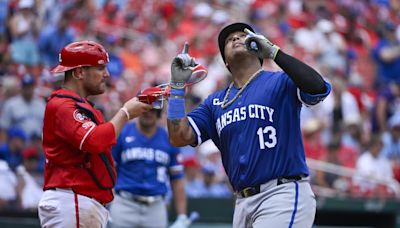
381,114
178,189
180,133
306,78
118,121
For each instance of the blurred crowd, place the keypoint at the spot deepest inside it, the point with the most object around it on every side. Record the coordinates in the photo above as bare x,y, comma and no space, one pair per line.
354,44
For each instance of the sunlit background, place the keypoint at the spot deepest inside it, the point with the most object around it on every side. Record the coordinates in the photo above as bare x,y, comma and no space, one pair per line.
352,139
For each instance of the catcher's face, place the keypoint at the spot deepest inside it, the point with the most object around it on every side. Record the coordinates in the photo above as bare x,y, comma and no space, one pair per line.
94,79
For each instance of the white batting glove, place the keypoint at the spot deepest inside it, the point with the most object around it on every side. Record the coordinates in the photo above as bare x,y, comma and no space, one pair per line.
182,221
263,48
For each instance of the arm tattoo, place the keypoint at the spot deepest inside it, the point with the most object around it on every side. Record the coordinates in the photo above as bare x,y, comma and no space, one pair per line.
176,123
178,128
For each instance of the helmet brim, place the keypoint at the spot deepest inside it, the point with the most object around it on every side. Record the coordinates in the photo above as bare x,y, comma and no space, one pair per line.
60,69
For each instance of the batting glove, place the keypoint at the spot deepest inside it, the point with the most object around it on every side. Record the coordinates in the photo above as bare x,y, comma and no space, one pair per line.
182,68
182,221
260,45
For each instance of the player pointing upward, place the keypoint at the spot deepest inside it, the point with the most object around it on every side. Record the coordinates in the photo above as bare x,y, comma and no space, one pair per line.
255,124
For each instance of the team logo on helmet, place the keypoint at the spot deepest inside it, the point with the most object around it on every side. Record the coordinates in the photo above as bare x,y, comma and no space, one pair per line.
101,61
80,117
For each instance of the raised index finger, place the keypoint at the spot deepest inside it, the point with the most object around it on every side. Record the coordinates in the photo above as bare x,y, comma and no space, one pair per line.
185,48
250,33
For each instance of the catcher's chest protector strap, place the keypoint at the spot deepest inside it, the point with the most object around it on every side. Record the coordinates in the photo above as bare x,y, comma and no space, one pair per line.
87,109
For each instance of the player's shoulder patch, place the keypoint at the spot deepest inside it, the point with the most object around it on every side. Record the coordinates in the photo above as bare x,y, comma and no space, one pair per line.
80,116
129,139
216,98
217,102
88,124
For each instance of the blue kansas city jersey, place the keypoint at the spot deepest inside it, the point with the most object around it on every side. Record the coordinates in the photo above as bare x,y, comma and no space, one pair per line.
144,164
259,134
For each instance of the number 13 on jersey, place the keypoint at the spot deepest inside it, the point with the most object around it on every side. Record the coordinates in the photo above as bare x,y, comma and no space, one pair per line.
267,137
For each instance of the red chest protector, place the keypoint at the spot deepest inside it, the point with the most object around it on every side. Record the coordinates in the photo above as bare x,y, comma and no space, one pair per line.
92,160
68,165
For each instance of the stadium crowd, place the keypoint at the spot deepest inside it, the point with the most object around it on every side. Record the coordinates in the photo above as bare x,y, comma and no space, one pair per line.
355,44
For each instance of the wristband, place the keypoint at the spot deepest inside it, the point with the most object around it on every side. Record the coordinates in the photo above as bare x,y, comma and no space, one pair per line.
177,92
273,55
125,110
176,108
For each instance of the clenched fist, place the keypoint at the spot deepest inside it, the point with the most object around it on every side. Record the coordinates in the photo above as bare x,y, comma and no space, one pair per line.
263,49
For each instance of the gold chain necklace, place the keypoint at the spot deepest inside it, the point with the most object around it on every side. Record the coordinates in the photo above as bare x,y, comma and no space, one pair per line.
225,102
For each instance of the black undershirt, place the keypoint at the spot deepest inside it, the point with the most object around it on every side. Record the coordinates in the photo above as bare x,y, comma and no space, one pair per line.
306,78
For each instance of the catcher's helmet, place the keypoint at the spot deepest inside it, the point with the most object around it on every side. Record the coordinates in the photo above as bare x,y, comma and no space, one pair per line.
81,53
226,31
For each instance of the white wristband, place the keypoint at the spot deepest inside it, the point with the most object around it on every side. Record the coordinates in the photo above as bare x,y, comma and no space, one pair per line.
125,110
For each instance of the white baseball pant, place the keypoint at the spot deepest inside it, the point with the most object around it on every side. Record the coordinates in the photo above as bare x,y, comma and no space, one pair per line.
64,208
289,205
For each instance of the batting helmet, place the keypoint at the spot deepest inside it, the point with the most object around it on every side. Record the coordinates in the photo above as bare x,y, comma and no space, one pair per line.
81,53
225,32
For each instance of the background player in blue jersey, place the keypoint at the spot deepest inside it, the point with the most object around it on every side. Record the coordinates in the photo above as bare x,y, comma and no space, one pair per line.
255,123
145,161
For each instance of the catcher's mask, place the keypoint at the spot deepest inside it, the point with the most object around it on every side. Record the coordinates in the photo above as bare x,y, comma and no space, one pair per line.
155,95
158,94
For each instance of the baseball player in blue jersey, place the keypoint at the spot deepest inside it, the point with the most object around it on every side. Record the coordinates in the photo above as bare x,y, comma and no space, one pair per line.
255,123
145,161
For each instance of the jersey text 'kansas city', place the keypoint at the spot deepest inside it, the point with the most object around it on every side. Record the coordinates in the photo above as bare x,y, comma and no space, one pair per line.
259,130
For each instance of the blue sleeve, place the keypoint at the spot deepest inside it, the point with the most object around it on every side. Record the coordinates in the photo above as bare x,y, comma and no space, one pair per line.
117,148
313,99
4,153
375,51
175,167
200,121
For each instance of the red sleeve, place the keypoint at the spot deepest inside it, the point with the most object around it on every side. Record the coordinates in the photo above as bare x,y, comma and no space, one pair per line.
101,137
75,127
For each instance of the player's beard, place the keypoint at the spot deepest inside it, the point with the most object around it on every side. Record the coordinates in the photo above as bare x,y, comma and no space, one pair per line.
96,89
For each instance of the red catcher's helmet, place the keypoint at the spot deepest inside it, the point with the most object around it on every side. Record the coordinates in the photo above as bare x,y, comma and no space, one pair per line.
81,53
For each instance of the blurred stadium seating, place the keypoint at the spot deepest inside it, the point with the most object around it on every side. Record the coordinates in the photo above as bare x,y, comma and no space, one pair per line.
352,140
